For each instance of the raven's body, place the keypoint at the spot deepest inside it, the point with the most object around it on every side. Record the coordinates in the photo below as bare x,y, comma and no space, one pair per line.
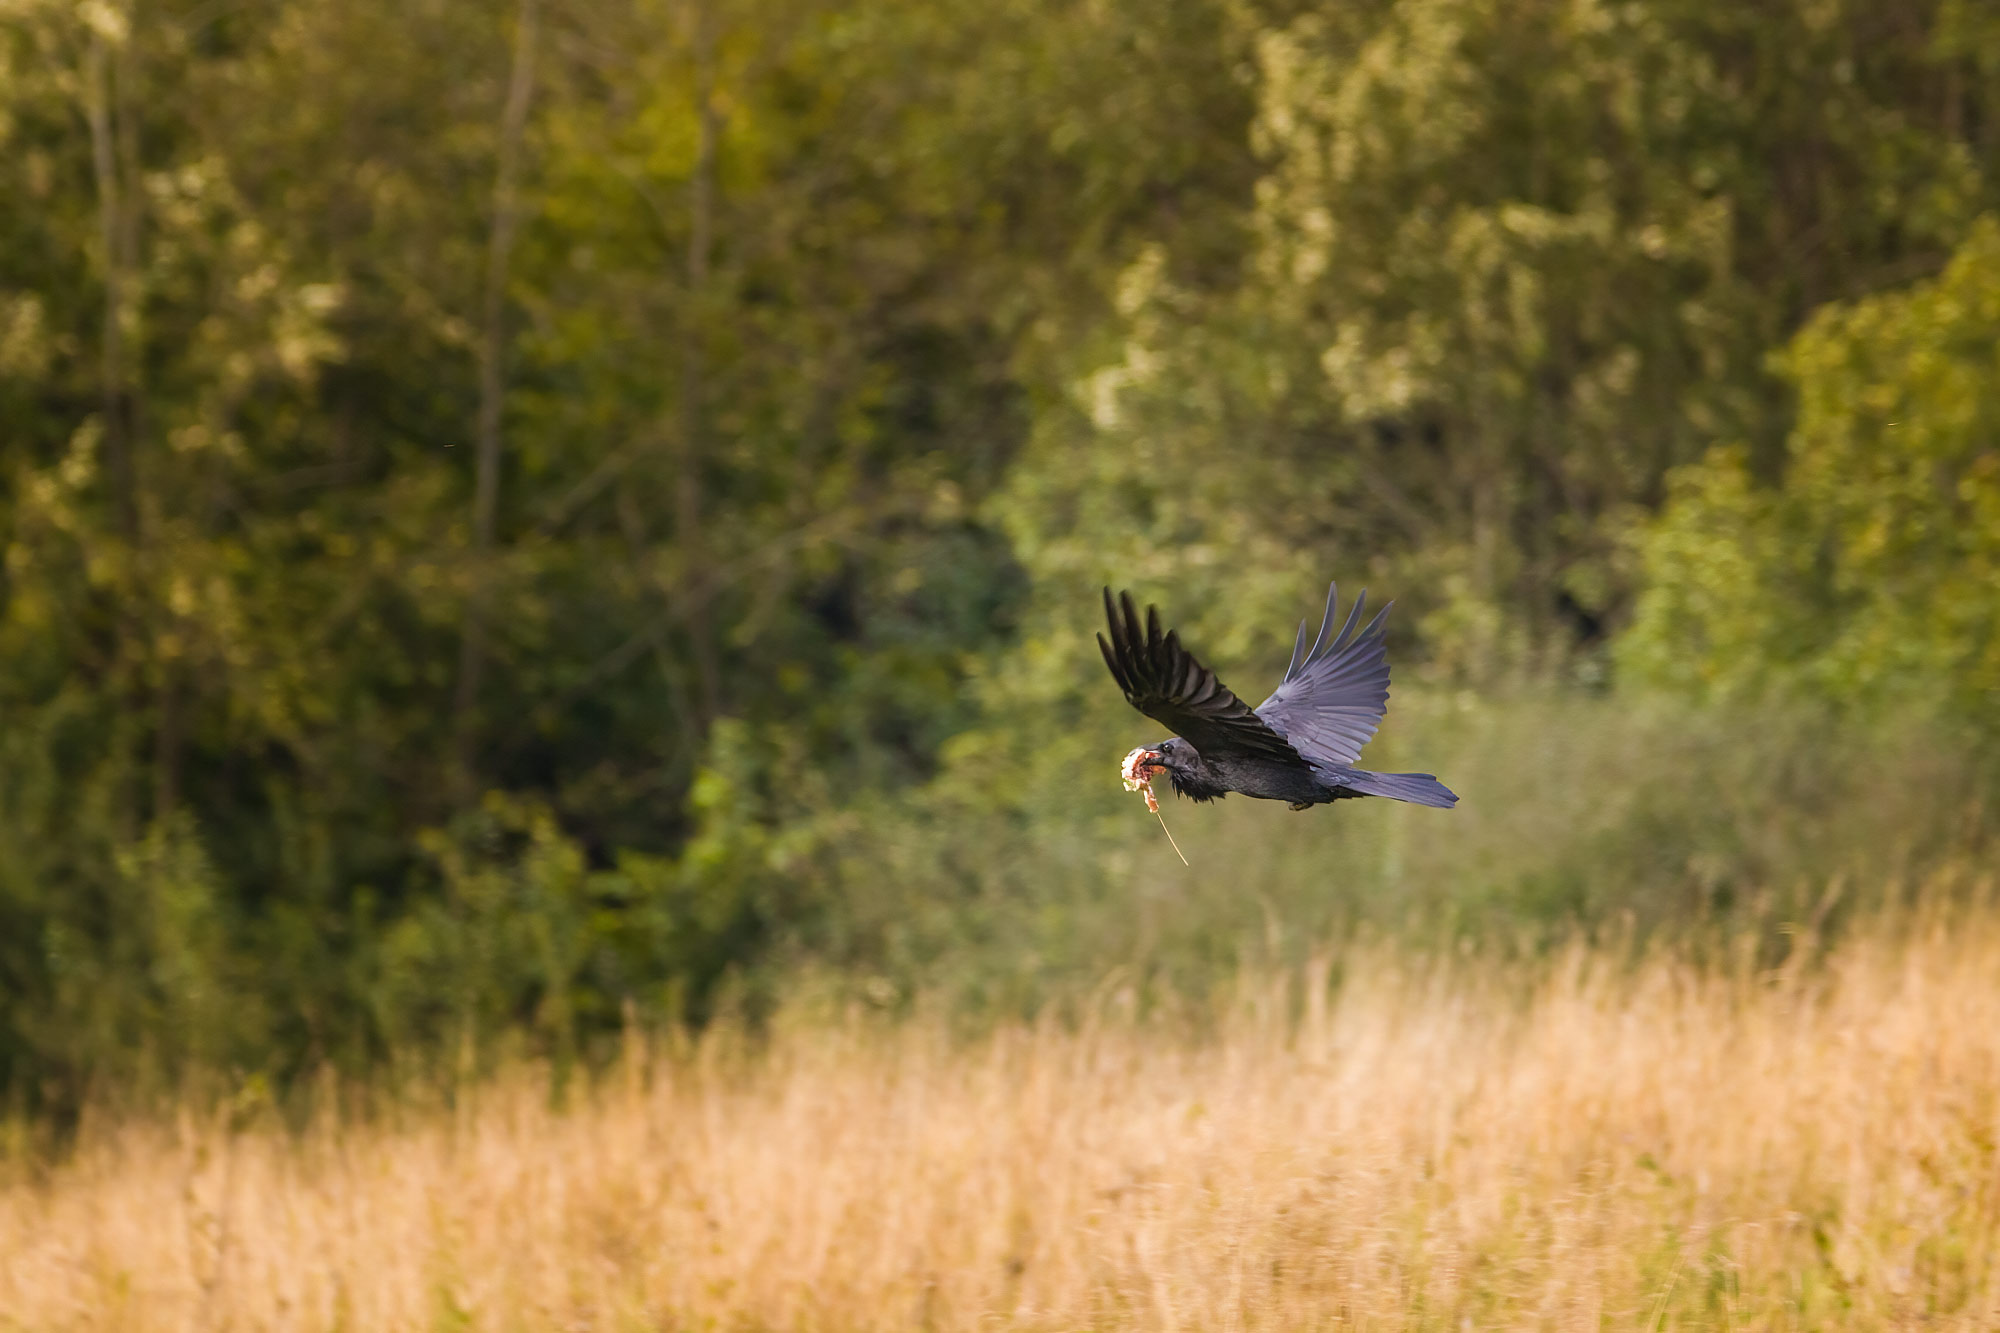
1200,779
1298,746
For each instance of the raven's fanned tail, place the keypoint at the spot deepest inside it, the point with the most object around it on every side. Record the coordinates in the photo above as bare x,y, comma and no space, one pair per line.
1416,788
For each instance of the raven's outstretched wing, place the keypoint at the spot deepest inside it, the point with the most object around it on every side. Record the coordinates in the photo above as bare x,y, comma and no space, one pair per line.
1333,697
1163,680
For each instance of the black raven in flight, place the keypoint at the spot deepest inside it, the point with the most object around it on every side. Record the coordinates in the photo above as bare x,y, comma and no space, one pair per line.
1299,745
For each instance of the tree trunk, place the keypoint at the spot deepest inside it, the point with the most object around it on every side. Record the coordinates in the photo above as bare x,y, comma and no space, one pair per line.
687,481
492,388
145,678
118,234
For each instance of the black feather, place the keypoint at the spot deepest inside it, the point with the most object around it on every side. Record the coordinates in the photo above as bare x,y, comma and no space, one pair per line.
1166,683
1329,705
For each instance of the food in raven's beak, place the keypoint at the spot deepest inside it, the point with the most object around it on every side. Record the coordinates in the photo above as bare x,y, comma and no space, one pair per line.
1137,770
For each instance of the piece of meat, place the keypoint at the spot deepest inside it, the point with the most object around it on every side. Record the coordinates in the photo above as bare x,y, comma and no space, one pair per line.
1137,770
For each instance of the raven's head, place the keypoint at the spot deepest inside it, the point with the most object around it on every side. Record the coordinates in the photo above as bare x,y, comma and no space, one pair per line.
1187,770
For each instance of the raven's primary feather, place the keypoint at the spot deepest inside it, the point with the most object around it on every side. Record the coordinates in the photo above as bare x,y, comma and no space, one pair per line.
1329,705
1164,681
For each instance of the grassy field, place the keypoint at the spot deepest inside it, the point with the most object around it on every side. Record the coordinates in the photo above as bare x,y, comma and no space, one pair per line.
1377,1143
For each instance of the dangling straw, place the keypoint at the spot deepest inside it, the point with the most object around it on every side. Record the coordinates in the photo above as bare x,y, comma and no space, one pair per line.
1138,777
1170,837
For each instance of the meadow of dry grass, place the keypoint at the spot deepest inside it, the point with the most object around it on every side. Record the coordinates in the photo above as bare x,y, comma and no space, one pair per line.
1443,1146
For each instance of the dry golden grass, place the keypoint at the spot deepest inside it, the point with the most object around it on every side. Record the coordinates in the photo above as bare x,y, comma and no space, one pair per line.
1446,1147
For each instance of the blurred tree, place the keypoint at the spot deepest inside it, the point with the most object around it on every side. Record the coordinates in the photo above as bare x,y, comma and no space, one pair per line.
515,506
1868,572
1506,266
754,294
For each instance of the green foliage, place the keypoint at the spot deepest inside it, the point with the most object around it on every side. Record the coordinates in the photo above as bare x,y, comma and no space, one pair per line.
1619,816
1506,265
823,362
1867,574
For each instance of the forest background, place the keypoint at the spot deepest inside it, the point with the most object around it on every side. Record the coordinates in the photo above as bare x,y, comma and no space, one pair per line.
523,518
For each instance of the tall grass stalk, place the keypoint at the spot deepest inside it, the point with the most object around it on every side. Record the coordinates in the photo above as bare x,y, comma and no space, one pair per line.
1574,1143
